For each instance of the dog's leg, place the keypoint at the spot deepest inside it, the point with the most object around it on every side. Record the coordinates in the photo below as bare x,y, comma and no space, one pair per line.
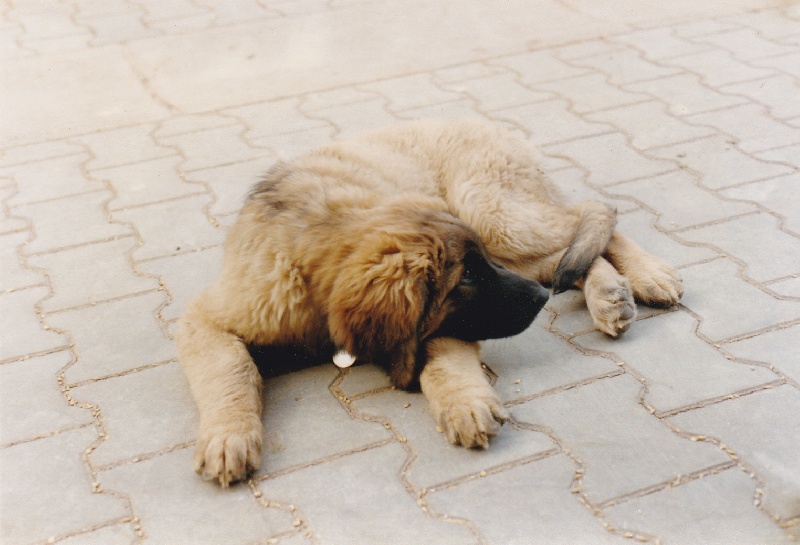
461,399
226,385
608,297
653,282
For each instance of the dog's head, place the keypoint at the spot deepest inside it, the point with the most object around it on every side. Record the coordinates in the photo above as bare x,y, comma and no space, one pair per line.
419,274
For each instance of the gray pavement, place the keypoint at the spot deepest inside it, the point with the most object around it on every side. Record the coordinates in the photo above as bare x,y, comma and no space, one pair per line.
131,129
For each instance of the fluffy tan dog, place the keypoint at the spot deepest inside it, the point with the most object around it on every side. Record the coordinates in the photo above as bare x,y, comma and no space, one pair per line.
404,247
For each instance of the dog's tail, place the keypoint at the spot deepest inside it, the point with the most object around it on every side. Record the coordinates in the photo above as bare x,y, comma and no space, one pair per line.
597,222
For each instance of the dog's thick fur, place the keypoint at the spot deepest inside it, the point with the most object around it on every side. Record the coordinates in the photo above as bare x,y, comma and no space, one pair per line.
405,247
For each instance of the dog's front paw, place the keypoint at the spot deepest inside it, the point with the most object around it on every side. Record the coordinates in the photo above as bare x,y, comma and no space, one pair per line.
656,284
470,421
229,451
611,306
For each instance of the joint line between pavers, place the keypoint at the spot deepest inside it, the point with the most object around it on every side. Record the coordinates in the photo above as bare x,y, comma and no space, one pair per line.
438,487
121,373
79,245
563,388
677,481
47,435
177,253
125,208
719,399
144,457
101,302
323,460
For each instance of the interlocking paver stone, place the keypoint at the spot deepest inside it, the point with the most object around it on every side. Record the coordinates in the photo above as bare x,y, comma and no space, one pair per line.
189,123
691,371
360,117
788,155
649,125
789,287
624,66
411,92
70,221
13,274
114,336
728,305
461,109
771,92
695,206
44,109
550,122
639,226
746,44
164,495
591,92
231,183
685,94
777,348
534,498
778,194
21,383
50,178
718,68
30,153
171,226
9,223
660,43
131,133
147,182
623,448
22,332
745,237
536,361
213,147
91,273
351,506
277,117
539,66
784,63
118,534
47,492
184,275
719,163
773,458
609,159
144,412
498,91
717,510
123,146
750,125
572,184
328,430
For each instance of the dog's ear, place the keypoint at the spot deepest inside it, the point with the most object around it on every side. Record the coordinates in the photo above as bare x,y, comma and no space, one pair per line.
378,299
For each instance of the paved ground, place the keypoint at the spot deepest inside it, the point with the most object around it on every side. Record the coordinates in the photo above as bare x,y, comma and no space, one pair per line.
132,129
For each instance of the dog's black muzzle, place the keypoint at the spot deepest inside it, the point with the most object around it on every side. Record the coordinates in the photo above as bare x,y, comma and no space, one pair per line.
499,304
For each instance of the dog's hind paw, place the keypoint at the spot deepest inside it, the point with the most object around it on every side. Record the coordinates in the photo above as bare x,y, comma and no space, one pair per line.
656,284
471,421
228,452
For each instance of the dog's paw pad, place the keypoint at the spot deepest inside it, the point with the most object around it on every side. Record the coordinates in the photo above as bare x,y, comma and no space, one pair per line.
613,309
228,454
472,422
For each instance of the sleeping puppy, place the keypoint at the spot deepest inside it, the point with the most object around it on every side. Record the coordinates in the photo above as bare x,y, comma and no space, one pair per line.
405,248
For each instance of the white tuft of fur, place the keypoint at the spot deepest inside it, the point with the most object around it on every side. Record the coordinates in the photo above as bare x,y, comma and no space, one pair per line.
343,359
